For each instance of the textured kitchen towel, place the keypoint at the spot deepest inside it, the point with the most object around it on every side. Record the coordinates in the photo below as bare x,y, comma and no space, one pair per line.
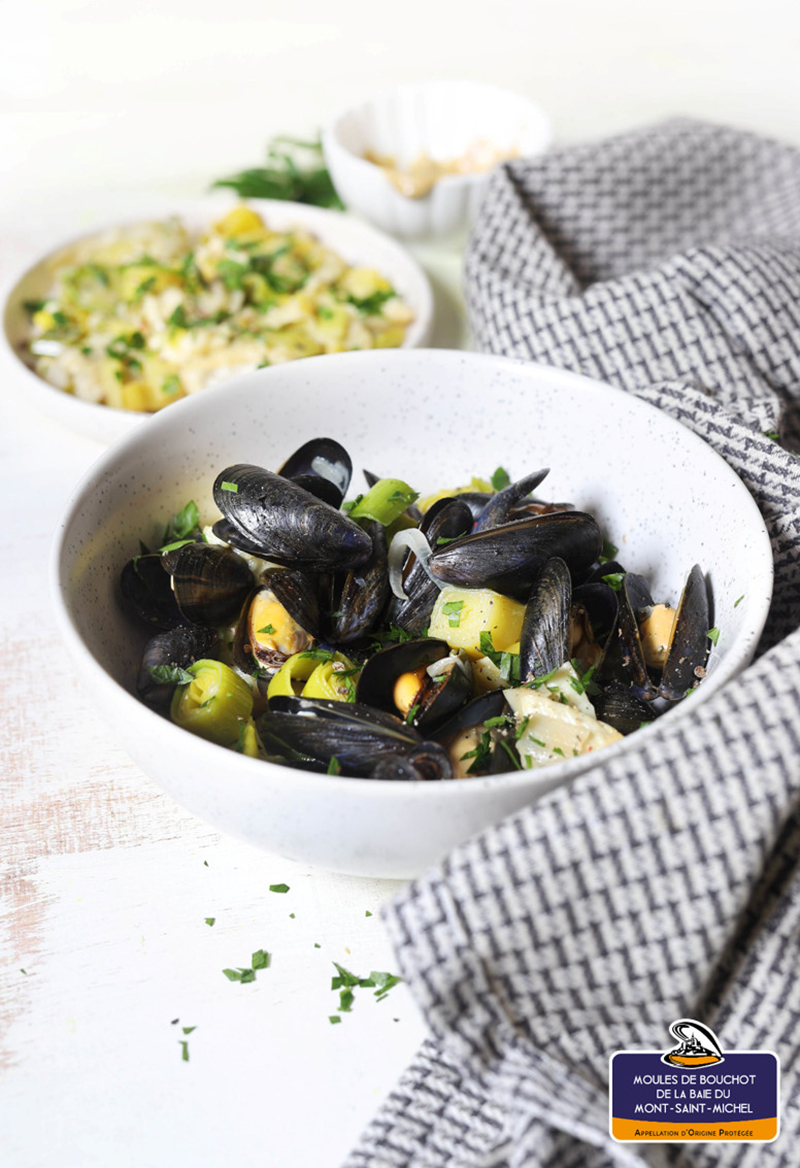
668,884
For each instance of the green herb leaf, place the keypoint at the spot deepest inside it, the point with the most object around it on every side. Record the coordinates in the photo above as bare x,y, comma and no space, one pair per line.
452,610
333,1019
210,920
500,479
713,635
773,434
295,171
367,913
412,713
268,629
739,601
260,959
232,487
372,305
334,766
184,1049
614,580
171,384
188,1029
279,887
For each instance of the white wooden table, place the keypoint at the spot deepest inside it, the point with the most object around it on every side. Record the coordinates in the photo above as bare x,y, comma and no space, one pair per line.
105,951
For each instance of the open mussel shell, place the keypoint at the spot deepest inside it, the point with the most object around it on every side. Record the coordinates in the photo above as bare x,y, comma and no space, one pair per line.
544,640
299,593
145,585
286,523
634,599
315,730
688,649
176,648
447,520
321,466
472,716
508,558
210,583
268,631
234,536
500,505
618,706
435,699
593,622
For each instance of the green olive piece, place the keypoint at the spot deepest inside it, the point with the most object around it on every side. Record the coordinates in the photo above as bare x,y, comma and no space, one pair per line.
213,705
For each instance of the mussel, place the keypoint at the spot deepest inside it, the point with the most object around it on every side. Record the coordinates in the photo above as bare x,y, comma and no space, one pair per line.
360,596
321,466
342,737
286,523
508,558
169,651
418,680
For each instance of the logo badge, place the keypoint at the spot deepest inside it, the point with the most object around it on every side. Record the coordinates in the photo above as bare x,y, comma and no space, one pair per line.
694,1091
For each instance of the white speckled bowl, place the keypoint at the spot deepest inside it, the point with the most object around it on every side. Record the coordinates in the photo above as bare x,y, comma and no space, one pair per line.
434,418
356,242
442,119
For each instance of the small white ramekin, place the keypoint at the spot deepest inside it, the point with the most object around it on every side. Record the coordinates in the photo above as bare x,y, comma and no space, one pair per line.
442,119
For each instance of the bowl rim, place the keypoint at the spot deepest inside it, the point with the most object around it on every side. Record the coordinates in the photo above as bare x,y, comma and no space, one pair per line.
331,138
758,603
114,421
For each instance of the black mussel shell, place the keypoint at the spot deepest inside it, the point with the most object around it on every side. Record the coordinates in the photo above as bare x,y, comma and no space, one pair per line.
508,558
145,585
358,737
299,592
618,706
474,713
544,640
255,654
360,597
448,520
436,701
600,605
688,650
600,571
231,534
428,761
175,648
321,466
286,523
210,583
475,500
635,598
500,505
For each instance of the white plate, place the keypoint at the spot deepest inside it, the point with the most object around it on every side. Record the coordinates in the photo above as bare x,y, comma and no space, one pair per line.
434,418
356,242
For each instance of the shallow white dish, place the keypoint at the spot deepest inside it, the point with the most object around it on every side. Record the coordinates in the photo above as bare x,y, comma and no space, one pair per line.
435,418
356,242
442,119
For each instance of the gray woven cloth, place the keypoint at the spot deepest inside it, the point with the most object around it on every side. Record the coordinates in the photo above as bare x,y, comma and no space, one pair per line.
664,885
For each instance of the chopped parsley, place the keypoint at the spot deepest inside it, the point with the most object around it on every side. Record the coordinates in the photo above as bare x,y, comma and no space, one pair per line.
184,1045
367,913
412,713
268,630
372,305
232,487
500,479
333,1019
279,887
481,754
260,959
739,601
558,750
183,524
346,982
171,384
614,580
452,610
773,434
209,920
583,683
713,635
334,766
